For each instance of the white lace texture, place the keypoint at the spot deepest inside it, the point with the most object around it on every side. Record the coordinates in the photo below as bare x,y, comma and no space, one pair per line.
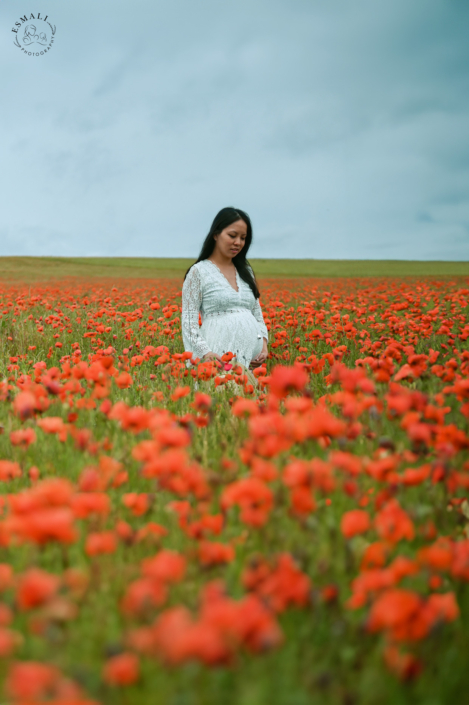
232,321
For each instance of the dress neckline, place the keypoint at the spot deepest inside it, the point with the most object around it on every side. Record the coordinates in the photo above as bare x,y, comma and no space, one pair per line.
224,277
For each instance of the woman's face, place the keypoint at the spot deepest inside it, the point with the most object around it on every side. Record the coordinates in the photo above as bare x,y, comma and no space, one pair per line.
232,239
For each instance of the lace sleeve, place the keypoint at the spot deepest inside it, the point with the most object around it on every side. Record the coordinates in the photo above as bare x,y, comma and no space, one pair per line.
257,313
191,303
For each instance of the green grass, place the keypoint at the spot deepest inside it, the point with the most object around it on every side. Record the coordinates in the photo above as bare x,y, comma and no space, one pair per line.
41,268
328,657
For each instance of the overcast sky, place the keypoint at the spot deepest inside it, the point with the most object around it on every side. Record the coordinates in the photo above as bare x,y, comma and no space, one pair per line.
339,126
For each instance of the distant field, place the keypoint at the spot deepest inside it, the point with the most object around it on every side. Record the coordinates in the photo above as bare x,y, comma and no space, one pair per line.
40,268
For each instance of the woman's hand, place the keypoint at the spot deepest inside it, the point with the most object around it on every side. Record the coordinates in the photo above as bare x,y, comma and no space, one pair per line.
213,356
261,358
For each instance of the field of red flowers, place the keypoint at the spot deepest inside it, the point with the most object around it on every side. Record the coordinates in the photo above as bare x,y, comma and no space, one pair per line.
305,540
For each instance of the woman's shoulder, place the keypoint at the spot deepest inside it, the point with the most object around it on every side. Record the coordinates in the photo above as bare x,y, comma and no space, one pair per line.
201,268
200,265
195,268
195,273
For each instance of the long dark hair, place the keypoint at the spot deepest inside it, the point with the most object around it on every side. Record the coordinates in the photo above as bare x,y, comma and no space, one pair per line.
222,220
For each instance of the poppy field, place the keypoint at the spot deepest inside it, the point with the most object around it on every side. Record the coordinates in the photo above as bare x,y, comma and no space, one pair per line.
171,533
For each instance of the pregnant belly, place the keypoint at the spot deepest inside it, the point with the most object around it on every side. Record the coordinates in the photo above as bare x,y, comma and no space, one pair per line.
237,332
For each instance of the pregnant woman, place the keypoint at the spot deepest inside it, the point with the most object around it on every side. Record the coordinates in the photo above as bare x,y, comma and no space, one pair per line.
221,286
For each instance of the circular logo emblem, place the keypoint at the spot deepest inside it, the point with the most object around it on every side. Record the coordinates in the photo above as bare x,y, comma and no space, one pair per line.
34,35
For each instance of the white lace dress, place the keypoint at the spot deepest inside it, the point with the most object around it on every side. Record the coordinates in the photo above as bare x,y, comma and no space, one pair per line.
232,321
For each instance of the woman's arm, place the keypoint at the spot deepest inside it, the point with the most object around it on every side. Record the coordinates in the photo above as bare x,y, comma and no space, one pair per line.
257,313
262,357
191,304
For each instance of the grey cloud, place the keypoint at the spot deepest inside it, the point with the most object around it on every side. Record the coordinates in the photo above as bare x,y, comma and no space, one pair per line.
424,217
339,127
